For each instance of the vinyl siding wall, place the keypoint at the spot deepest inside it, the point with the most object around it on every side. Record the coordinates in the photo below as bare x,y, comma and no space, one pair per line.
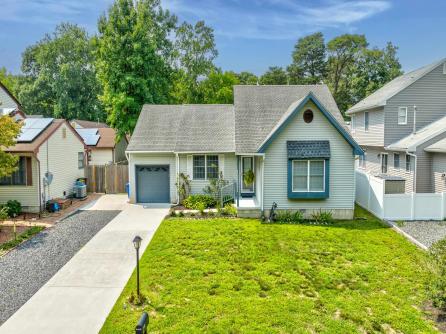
375,134
101,156
28,196
438,169
228,166
153,159
428,94
59,156
5,100
373,165
342,165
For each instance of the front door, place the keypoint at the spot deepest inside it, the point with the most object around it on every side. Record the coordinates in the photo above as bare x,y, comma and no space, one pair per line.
247,176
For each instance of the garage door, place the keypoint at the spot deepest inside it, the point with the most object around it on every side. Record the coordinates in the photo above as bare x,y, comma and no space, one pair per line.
152,184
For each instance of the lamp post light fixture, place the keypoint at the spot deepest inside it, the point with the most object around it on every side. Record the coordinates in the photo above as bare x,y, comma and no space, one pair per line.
137,243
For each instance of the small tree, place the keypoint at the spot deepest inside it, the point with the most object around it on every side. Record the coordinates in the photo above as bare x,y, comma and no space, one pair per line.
183,186
215,186
9,130
436,287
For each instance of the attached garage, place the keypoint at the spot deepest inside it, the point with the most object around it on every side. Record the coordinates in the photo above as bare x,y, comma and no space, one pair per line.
152,183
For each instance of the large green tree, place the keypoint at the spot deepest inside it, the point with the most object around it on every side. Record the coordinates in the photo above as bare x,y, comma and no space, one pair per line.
247,78
309,60
218,87
274,76
10,81
194,54
9,131
59,77
133,55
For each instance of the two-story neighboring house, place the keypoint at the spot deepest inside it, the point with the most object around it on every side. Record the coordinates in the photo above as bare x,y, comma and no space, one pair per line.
402,127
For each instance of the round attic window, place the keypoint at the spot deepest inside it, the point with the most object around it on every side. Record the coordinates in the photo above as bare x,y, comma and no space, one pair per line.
308,116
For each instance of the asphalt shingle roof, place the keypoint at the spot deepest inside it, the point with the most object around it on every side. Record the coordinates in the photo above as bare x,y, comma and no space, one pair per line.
305,149
258,109
393,87
240,128
184,128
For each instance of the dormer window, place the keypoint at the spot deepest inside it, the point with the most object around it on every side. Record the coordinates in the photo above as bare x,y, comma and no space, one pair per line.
402,115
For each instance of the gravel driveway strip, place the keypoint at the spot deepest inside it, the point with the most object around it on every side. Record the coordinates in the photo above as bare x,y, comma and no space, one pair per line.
25,269
426,232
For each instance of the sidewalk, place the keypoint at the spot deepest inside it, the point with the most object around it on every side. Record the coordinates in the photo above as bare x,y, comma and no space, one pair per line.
78,298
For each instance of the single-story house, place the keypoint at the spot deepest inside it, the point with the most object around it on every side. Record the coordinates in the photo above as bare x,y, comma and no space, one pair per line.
52,157
291,140
101,142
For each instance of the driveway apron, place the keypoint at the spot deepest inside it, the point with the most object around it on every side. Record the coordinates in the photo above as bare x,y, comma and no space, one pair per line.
78,298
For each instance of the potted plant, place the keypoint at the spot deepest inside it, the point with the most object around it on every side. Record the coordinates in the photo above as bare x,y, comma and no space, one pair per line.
248,178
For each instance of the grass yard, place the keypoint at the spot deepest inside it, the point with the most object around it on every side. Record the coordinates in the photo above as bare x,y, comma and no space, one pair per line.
241,276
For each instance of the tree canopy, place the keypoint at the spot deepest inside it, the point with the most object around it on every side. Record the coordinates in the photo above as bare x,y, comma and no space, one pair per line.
59,77
9,131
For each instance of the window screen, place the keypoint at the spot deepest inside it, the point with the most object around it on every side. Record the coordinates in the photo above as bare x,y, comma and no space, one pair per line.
212,166
199,167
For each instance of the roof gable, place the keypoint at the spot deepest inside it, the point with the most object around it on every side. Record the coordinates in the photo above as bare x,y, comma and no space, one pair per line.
390,89
294,109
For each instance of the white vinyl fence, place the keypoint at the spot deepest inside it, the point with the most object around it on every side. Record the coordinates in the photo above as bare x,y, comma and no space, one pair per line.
411,206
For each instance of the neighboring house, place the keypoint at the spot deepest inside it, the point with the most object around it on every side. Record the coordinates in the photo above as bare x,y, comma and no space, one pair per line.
399,124
9,105
293,138
101,142
49,149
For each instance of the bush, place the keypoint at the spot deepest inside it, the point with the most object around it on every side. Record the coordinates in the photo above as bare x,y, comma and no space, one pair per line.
228,210
199,202
436,287
14,208
4,213
323,217
289,217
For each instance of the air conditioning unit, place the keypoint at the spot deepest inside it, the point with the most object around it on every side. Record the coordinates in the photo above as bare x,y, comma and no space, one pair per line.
80,191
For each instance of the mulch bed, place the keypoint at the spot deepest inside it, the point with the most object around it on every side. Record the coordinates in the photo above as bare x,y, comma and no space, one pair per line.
7,232
438,316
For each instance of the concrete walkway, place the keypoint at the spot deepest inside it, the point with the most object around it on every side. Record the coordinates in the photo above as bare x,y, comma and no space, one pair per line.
78,298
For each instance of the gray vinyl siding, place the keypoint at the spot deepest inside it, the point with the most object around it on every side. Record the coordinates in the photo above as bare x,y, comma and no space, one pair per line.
342,177
228,166
375,134
6,101
425,178
428,94
438,169
373,165
153,159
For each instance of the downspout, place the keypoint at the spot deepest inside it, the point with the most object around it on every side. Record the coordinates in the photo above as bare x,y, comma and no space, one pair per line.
414,183
177,172
238,181
263,178
414,119
39,185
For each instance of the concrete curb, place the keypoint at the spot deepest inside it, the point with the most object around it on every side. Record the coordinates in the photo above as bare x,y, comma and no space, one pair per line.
406,235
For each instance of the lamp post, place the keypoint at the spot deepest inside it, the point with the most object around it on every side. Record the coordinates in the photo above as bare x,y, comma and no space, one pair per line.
137,243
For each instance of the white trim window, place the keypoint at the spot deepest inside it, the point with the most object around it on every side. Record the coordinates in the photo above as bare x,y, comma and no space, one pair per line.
80,160
366,121
353,120
205,167
408,163
402,115
396,160
308,176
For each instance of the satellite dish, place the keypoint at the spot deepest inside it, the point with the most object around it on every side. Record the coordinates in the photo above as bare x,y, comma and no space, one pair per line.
48,178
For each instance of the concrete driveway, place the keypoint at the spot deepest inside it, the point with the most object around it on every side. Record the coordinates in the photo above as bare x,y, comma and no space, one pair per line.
78,298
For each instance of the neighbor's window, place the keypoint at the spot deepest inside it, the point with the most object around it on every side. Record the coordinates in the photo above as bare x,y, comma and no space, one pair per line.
353,120
308,175
408,163
402,115
396,160
205,167
384,160
366,121
80,160
18,178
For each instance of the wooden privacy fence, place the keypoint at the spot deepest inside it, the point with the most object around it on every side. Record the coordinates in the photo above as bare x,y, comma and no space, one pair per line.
110,179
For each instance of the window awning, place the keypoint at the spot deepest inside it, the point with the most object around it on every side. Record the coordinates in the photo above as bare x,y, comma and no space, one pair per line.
308,149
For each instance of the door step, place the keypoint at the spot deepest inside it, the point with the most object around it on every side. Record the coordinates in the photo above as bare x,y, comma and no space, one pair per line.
249,212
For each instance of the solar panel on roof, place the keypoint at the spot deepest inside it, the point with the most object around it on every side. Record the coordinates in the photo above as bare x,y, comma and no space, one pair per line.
91,140
87,132
32,127
89,135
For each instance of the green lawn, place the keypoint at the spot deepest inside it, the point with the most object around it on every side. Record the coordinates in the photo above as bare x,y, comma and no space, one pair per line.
240,276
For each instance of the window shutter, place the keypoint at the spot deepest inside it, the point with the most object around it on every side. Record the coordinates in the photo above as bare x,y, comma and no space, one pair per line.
29,171
190,167
221,164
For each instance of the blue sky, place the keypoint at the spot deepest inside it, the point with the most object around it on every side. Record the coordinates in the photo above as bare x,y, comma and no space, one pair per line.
251,34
